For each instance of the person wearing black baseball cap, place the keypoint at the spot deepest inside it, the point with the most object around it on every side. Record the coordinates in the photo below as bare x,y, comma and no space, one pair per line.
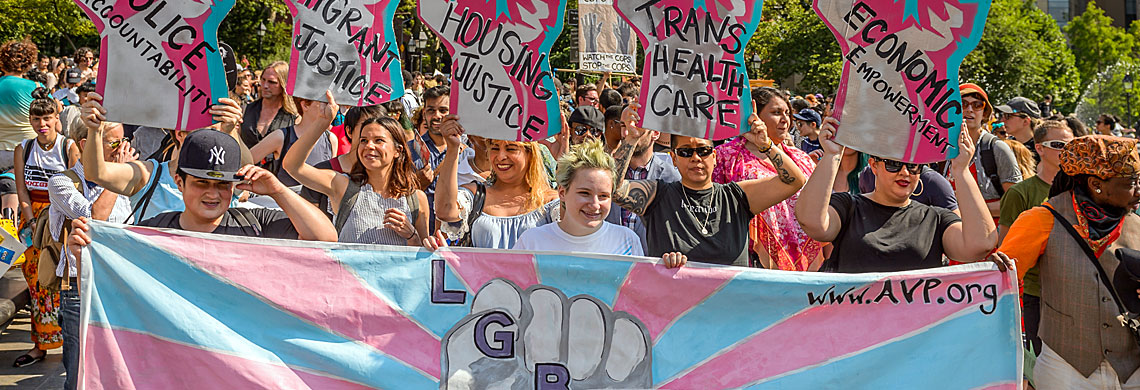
587,122
209,171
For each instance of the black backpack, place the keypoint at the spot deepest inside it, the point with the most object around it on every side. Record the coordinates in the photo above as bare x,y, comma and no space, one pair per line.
989,164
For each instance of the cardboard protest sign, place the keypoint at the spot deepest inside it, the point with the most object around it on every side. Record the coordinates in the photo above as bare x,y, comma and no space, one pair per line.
502,84
898,97
347,47
178,310
695,78
159,63
606,42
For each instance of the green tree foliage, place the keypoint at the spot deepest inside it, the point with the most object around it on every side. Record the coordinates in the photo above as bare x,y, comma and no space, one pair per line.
795,48
240,29
58,27
1022,53
1096,43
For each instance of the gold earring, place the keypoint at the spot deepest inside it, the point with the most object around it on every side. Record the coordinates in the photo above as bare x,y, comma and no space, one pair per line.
918,191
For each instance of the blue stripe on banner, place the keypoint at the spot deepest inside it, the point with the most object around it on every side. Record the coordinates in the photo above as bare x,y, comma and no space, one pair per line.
159,293
921,361
693,338
404,279
579,275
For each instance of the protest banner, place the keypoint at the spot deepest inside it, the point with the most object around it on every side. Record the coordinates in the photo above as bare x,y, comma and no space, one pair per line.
606,42
159,63
898,94
502,83
347,47
695,78
179,310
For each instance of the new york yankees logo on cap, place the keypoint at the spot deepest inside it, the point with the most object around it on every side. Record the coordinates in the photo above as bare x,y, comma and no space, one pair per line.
203,155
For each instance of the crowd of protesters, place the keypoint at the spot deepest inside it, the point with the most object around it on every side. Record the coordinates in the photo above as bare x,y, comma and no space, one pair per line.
783,195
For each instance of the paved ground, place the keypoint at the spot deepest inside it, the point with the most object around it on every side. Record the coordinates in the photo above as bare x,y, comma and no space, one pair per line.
47,374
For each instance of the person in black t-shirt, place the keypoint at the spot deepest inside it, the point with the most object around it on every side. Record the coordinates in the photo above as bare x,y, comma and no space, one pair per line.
706,221
884,230
208,173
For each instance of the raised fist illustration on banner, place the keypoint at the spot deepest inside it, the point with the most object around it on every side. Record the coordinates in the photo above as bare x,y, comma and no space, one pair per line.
503,86
540,339
696,78
898,97
347,47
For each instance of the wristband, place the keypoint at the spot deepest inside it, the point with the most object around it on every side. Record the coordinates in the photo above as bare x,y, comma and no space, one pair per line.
765,150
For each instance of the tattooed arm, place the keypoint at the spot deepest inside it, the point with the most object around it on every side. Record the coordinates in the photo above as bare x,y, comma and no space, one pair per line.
635,195
767,192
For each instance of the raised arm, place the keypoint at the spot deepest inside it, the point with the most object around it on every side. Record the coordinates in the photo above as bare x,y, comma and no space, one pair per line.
122,178
767,192
635,195
813,209
310,222
319,116
269,145
447,184
976,236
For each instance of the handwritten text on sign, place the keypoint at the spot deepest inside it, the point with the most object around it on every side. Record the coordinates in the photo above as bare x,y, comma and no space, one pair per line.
503,87
171,47
347,47
697,83
900,71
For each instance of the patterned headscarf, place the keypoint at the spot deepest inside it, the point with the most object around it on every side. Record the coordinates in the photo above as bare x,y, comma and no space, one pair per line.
1101,156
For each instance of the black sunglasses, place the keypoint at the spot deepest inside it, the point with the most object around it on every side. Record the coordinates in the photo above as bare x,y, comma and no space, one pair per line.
893,166
582,130
703,151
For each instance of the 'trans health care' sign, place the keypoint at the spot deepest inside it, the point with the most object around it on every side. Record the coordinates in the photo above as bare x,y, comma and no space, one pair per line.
696,81
899,96
503,85
347,47
159,60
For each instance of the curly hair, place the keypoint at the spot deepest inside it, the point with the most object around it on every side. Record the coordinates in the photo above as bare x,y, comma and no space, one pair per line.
401,176
588,155
18,56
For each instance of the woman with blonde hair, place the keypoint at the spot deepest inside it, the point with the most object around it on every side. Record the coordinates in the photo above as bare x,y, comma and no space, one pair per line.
517,196
1025,161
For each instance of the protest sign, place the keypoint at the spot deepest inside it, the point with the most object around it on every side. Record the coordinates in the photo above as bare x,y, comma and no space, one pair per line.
696,81
898,95
159,63
606,42
177,310
347,47
502,84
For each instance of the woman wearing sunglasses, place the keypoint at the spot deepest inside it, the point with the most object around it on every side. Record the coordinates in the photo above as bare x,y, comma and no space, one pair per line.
884,230
774,236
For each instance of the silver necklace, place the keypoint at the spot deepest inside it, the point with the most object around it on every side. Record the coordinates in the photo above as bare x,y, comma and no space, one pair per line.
704,226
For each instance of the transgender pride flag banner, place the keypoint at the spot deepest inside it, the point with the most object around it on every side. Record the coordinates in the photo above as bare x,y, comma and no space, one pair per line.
177,310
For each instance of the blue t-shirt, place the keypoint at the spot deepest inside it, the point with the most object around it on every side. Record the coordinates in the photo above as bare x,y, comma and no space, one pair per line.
15,98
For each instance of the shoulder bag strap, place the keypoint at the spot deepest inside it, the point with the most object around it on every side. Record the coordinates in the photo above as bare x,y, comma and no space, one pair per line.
248,221
347,202
989,163
413,207
140,209
1092,257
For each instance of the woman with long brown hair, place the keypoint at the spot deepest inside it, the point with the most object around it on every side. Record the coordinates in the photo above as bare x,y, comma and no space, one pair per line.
381,185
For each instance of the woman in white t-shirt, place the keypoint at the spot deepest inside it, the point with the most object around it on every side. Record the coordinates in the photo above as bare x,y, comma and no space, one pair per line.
586,183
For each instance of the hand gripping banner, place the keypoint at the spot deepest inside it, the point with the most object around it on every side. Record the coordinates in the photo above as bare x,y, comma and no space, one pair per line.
347,47
178,310
898,97
696,78
502,84
159,63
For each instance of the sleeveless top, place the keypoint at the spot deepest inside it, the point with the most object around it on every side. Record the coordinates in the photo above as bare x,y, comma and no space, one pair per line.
365,223
489,231
42,164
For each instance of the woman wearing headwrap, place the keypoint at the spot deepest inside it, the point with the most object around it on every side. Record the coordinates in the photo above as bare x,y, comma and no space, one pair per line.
1098,188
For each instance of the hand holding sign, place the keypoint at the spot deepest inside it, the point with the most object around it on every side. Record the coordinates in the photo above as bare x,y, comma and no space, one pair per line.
347,47
899,96
696,81
827,137
757,136
961,163
503,85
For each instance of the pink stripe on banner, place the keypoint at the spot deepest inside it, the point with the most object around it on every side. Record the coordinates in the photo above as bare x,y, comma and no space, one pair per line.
478,268
126,360
778,350
306,282
1003,386
657,295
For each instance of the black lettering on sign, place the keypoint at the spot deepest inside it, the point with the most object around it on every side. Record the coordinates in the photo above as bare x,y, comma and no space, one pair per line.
921,291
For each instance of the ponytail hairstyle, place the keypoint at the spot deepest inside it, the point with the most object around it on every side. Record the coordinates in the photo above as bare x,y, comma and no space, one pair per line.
1063,183
42,103
588,155
401,174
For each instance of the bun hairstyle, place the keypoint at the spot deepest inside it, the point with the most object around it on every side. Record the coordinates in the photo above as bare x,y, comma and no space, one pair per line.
43,104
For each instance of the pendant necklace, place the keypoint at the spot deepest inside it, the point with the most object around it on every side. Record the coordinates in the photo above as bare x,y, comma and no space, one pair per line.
702,227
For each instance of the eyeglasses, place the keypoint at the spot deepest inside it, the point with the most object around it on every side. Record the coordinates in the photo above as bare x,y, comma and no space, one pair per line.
974,105
703,151
115,144
582,130
590,99
1013,115
893,166
1055,144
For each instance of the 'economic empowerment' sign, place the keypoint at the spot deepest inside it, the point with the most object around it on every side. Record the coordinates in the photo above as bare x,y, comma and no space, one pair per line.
898,97
159,60
177,310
